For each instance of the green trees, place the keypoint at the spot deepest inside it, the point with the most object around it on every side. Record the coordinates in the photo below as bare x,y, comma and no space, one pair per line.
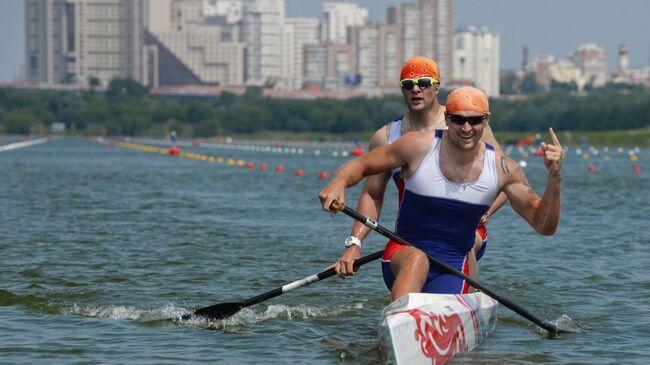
127,108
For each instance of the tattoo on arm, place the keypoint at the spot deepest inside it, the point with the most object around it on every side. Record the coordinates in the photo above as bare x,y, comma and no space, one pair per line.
515,172
504,164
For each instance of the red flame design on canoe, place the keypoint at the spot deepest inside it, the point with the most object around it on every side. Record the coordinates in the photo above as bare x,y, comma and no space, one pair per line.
440,336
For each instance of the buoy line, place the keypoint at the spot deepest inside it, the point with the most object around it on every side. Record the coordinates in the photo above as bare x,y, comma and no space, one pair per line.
338,149
175,151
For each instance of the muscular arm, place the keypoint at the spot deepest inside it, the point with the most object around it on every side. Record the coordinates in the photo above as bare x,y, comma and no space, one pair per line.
380,158
372,196
543,214
405,151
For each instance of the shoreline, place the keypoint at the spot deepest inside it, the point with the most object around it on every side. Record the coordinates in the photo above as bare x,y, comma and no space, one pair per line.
623,138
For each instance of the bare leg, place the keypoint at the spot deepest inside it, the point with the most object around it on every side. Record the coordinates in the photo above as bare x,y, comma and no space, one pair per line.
410,267
471,259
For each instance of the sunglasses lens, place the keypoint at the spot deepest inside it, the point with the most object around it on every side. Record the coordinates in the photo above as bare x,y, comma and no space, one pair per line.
460,120
457,119
424,83
407,84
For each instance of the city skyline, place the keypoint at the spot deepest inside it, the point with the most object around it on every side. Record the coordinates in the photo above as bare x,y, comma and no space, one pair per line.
517,22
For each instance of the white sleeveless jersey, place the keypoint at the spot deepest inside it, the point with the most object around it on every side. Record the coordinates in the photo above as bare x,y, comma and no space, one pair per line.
441,216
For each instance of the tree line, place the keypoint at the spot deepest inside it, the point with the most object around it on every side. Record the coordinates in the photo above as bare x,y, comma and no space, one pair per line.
127,108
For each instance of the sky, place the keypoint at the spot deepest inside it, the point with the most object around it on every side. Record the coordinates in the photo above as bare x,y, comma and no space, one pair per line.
554,27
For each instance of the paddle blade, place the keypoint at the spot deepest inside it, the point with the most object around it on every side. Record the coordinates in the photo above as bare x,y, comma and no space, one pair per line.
219,311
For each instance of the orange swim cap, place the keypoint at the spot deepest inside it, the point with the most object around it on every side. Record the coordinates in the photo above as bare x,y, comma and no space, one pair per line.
418,67
467,98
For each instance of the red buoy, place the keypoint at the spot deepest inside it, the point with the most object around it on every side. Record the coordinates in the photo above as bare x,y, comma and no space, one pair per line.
196,143
174,151
279,168
300,172
264,166
250,165
591,167
636,169
324,175
539,152
357,152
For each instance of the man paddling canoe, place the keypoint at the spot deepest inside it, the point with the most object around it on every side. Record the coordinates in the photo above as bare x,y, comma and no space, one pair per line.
420,84
451,178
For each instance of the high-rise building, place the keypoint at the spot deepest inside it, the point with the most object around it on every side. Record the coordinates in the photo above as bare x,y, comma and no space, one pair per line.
476,59
185,46
426,28
263,26
329,66
298,33
339,16
378,64
71,41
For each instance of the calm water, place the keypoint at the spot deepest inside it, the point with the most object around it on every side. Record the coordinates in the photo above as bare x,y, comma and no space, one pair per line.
99,243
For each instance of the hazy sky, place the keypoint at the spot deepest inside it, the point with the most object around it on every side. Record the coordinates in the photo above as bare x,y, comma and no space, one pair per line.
545,26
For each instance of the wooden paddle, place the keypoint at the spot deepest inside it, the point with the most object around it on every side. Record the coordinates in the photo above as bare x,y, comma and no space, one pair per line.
372,224
224,310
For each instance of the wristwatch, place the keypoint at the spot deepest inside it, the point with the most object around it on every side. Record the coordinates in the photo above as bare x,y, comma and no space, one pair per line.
351,241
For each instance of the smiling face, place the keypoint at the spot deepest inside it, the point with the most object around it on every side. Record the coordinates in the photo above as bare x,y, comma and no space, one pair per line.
465,136
464,105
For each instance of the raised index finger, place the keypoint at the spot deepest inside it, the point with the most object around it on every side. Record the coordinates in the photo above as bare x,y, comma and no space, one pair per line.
554,137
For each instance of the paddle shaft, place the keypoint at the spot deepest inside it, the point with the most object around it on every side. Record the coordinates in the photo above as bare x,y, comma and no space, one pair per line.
372,224
308,280
224,310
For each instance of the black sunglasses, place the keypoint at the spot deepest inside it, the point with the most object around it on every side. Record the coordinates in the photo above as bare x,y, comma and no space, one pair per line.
422,82
460,120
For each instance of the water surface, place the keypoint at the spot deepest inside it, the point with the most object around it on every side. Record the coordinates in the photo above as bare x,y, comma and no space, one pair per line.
100,243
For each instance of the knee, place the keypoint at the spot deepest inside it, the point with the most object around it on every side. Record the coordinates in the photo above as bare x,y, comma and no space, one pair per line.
416,260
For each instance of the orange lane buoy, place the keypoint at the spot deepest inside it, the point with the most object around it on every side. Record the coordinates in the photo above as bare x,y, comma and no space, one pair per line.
300,172
174,151
324,175
357,152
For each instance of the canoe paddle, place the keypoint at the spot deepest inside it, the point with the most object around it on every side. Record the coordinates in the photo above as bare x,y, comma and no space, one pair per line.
224,310
372,224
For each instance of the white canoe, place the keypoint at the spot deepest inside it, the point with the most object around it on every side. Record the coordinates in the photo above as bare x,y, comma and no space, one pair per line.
432,328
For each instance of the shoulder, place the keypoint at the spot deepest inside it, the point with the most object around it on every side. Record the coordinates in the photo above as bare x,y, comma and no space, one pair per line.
415,142
380,137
